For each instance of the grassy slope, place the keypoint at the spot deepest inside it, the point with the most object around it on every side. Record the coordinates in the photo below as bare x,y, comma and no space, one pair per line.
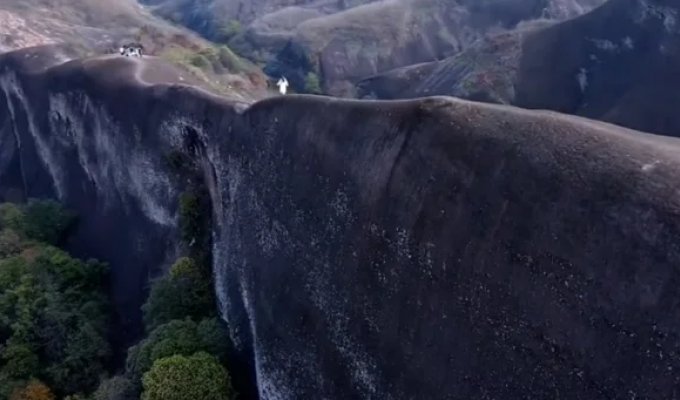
98,27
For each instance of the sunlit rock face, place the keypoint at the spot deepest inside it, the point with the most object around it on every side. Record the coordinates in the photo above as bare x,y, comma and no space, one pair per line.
434,249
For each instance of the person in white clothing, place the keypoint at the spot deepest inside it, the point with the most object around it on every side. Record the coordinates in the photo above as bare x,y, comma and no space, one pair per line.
131,50
283,85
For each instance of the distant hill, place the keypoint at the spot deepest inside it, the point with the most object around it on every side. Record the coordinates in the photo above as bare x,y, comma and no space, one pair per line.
342,41
619,63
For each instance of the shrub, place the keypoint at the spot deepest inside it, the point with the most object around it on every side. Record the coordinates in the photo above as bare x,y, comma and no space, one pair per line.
230,29
178,377
230,60
200,61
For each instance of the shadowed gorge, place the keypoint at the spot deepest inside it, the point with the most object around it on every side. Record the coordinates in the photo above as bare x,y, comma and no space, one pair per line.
432,248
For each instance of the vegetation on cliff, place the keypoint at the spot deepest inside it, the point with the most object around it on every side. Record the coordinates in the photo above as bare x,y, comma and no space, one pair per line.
54,317
199,376
53,308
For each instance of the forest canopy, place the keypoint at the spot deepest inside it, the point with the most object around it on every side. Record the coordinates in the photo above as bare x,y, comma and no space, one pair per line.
53,307
55,320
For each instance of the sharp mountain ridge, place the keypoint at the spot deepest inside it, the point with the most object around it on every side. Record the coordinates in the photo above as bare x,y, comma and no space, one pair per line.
430,248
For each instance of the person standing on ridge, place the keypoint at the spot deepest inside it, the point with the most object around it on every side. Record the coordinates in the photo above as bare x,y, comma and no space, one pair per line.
283,85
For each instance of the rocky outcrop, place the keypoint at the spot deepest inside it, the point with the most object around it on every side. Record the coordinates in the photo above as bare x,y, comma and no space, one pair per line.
435,248
617,63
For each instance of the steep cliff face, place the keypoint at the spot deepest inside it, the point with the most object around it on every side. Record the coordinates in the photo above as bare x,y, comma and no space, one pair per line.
417,249
78,131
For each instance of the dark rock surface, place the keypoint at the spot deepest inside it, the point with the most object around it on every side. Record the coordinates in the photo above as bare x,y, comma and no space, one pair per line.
618,63
434,249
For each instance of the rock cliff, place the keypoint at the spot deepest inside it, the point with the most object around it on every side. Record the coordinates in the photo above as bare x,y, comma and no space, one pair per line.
434,248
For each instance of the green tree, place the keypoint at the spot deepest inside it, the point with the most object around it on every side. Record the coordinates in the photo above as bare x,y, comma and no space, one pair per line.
191,217
214,337
11,217
183,337
115,388
312,83
46,221
164,303
10,243
20,360
11,271
186,291
198,376
84,350
195,222
53,318
42,220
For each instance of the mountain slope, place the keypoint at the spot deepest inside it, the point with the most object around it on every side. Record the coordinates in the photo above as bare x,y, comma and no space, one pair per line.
343,41
632,78
95,27
350,45
618,63
89,23
434,248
